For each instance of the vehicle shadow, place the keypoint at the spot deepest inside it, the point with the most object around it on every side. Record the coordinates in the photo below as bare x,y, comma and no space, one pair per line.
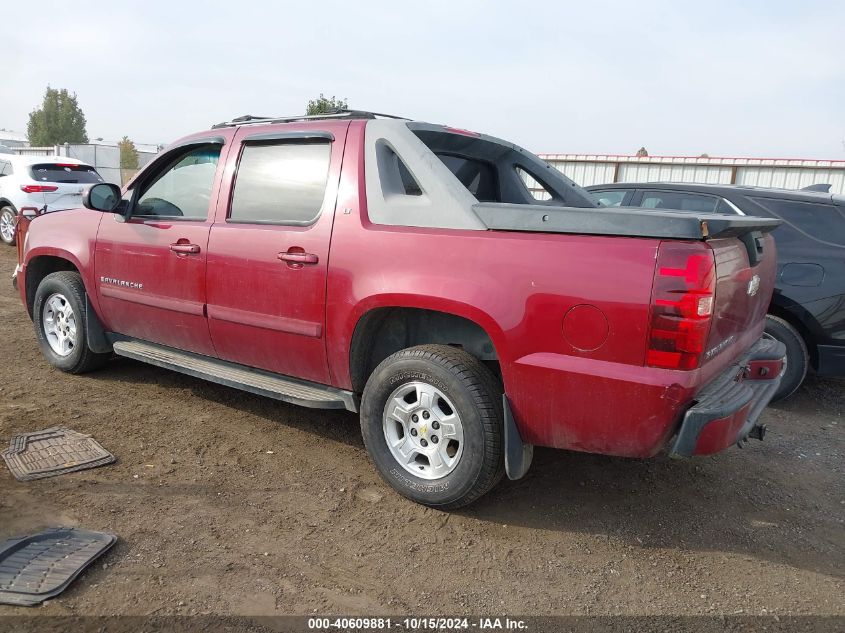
765,501
336,425
732,502
663,503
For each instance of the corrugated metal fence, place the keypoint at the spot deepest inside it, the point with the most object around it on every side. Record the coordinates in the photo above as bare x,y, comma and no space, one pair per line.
786,173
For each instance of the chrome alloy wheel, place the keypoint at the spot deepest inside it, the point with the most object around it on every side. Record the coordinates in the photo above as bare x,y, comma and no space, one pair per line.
423,430
59,323
7,226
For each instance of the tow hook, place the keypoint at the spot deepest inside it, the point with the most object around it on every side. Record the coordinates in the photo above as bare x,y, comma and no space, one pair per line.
758,431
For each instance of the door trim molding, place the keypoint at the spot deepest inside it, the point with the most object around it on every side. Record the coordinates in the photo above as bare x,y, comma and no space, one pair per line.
266,321
155,301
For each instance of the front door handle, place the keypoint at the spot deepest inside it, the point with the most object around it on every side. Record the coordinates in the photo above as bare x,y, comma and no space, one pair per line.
298,258
183,248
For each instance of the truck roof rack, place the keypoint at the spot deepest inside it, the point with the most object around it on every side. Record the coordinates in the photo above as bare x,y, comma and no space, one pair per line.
249,119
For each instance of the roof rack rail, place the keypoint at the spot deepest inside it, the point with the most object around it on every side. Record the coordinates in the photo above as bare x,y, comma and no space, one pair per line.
249,119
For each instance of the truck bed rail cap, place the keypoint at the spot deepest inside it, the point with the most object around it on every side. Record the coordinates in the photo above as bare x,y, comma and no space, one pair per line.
619,221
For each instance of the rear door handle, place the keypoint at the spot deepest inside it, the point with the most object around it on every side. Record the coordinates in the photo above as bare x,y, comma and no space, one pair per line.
185,249
299,258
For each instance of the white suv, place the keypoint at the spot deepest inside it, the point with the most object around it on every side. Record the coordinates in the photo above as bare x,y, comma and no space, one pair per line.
56,182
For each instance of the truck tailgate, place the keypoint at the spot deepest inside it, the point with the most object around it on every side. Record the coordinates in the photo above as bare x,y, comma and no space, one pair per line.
743,291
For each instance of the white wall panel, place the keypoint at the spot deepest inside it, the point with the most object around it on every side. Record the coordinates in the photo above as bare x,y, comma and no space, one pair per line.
587,169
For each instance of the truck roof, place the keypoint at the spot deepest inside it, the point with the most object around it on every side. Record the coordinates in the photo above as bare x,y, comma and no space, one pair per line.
250,119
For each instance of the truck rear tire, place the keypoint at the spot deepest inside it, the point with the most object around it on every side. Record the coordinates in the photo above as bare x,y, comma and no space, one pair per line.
60,323
432,422
797,356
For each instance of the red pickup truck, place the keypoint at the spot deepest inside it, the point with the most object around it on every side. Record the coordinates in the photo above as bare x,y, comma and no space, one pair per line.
403,270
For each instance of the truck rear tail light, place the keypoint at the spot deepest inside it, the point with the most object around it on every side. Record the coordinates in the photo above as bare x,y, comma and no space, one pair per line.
682,305
38,188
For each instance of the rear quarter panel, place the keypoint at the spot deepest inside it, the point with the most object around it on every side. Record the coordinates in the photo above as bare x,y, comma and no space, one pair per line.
568,306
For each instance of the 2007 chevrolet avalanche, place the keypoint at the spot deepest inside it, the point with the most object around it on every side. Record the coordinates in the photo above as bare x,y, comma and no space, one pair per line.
405,271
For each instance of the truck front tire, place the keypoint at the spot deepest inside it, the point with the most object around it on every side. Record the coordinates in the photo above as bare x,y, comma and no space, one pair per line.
432,422
60,323
797,356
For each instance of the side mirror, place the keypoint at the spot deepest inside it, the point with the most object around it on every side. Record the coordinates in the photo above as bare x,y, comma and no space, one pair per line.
101,197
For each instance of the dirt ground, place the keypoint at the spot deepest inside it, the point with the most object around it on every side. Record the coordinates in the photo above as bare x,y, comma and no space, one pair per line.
228,503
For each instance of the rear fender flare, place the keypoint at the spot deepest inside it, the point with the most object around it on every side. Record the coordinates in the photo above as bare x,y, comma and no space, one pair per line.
435,304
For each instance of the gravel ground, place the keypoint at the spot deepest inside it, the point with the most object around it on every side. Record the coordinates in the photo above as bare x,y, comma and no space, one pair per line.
227,503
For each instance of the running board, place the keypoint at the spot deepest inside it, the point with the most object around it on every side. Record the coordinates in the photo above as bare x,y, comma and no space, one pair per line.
285,388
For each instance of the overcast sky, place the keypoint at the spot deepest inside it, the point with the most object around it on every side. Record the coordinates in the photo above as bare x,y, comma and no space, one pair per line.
754,78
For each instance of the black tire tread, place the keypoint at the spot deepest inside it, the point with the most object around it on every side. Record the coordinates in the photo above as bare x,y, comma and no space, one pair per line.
486,391
800,345
89,360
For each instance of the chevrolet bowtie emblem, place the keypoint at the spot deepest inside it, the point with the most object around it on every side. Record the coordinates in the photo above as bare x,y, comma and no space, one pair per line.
423,429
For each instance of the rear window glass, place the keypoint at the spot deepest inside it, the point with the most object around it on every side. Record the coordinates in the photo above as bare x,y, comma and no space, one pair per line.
823,222
57,172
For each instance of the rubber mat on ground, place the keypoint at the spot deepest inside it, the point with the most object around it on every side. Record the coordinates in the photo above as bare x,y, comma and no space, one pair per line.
53,451
38,567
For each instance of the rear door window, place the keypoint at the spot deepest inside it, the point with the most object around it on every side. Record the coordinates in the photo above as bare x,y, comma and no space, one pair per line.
680,200
281,184
725,207
610,197
693,202
65,173
822,222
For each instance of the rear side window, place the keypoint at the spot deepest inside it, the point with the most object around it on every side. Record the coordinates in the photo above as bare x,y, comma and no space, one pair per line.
280,184
823,222
61,173
693,202
725,207
611,197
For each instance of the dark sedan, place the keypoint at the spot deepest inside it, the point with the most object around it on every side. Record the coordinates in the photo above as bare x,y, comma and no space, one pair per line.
807,311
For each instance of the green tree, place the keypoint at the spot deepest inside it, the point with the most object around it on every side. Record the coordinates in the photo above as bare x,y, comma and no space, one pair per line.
325,105
128,154
58,120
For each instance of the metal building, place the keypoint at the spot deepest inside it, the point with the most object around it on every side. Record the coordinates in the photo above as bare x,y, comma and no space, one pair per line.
785,173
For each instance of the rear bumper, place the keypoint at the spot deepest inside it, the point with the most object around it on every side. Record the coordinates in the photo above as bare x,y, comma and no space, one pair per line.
831,360
726,410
